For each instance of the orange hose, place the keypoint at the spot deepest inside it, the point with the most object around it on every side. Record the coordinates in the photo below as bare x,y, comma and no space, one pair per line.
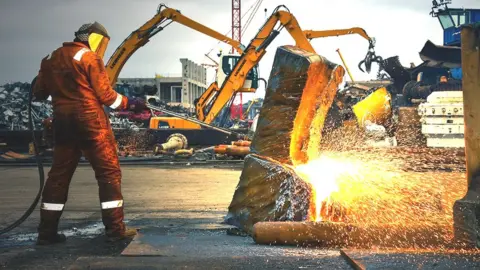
242,143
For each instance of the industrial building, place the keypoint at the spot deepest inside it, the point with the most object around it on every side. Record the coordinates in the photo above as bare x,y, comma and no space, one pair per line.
183,88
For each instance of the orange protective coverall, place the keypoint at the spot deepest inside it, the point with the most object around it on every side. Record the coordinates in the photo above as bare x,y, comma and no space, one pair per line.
76,79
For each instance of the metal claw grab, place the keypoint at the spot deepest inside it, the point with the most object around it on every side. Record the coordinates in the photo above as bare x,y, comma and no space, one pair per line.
370,58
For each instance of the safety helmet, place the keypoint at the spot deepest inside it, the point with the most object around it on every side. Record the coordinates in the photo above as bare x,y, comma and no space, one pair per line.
95,35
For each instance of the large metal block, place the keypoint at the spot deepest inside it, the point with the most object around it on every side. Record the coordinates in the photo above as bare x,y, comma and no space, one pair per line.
267,191
300,91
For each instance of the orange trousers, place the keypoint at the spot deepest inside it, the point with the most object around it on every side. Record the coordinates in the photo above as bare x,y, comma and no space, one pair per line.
88,133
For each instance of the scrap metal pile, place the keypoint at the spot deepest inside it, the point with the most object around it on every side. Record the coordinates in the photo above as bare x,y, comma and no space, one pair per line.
14,109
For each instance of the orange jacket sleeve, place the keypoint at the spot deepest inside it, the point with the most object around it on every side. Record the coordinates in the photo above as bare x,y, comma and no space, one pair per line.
100,83
40,90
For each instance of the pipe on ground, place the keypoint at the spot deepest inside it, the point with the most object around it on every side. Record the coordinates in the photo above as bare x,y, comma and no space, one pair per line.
232,150
338,234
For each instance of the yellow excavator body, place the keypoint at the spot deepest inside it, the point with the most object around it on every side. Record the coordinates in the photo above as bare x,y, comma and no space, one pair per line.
159,122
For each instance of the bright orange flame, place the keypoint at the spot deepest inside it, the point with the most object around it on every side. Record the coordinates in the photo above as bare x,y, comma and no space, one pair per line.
324,174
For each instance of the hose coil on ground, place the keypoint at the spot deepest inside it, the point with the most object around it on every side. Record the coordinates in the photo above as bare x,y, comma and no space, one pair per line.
39,166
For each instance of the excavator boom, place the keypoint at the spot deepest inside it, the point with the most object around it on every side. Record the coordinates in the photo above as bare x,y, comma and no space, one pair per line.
214,99
142,35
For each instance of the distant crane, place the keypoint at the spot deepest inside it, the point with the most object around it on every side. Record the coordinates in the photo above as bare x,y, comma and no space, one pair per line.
237,33
236,21
236,109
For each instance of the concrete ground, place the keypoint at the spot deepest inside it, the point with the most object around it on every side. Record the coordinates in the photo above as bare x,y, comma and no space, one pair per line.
179,211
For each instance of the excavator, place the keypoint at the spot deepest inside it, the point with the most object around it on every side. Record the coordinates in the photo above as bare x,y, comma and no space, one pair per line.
235,73
240,73
367,62
138,38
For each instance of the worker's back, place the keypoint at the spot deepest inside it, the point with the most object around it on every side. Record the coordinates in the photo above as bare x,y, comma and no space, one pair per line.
68,76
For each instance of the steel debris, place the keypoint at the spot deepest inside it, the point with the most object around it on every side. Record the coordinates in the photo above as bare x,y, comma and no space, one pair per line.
14,109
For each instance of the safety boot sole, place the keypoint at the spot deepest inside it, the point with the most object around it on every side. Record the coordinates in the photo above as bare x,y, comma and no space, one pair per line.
57,239
127,235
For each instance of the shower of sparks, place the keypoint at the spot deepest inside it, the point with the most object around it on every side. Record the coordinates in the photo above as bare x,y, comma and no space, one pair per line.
373,188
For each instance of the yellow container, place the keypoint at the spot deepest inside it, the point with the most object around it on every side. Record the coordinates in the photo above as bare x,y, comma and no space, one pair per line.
375,108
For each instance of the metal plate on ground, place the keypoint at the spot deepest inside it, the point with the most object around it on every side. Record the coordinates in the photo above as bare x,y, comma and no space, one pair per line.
185,244
120,263
209,244
208,226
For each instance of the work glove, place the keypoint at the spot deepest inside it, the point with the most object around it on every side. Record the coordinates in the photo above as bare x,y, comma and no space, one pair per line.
136,105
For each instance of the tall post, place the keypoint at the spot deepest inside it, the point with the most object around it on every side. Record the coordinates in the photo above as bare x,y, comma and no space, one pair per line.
237,35
466,211
345,65
236,22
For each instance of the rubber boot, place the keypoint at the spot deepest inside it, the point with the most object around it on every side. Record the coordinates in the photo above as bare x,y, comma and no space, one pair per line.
128,233
47,230
51,239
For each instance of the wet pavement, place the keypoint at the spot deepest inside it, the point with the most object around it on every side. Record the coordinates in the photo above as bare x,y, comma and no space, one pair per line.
179,211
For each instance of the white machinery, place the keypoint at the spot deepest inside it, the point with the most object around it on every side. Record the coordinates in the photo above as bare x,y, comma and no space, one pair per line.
442,119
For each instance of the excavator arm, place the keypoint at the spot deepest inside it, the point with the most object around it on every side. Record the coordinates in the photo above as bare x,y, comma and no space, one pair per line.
311,34
370,56
214,99
142,36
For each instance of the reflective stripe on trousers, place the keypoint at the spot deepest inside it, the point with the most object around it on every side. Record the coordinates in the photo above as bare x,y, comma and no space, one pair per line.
53,206
112,204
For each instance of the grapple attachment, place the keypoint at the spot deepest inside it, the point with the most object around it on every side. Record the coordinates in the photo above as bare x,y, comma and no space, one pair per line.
370,58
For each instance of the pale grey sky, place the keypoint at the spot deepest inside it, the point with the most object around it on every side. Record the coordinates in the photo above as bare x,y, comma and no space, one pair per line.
29,30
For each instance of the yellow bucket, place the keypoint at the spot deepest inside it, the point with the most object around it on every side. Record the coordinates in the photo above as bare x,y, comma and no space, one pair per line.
375,108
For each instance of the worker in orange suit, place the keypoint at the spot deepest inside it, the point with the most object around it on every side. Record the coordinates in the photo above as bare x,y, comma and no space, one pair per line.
74,76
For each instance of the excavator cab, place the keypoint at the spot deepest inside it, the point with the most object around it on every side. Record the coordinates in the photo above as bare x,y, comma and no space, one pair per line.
227,64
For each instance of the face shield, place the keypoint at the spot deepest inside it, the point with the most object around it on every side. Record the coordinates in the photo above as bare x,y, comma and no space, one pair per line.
96,35
98,43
